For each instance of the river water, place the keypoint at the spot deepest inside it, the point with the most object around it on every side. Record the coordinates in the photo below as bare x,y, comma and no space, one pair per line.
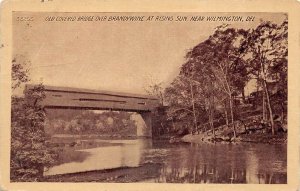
181,162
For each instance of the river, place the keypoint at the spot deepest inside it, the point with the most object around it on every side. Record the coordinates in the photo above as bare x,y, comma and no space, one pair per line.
181,162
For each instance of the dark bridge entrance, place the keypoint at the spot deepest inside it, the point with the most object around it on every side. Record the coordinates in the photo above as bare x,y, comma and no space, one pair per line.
75,98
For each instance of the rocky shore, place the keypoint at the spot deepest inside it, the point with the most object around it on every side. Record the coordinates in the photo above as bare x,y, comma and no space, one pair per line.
279,138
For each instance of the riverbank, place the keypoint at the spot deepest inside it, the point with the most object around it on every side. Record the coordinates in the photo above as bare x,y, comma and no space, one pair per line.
279,138
118,175
251,129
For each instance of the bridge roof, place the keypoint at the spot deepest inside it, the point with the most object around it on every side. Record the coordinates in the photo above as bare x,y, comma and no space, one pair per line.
90,91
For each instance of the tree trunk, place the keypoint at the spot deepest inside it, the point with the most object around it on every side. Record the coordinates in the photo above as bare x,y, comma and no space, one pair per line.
194,111
174,127
282,112
232,117
257,89
269,106
265,87
243,95
264,105
229,92
211,116
226,118
161,98
226,115
211,123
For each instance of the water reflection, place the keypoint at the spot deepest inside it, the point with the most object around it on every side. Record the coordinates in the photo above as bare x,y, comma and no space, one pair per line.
188,163
243,163
108,154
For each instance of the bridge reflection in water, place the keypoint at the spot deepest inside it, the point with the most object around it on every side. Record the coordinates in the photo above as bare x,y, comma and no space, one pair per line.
188,163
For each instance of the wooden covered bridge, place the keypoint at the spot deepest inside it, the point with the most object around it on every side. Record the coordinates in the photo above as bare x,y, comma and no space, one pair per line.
77,98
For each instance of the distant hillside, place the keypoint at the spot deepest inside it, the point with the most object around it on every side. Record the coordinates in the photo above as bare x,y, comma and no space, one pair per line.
68,121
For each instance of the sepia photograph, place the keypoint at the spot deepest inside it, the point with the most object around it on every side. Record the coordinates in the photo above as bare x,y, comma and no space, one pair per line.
149,97
153,97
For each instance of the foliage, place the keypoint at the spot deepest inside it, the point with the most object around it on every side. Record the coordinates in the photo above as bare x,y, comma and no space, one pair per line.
19,72
88,122
217,70
184,98
267,52
156,89
29,154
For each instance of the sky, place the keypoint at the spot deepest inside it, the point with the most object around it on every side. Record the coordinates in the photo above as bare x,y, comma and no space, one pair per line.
123,56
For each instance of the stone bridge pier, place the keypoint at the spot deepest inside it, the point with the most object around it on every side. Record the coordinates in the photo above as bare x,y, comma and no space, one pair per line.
146,131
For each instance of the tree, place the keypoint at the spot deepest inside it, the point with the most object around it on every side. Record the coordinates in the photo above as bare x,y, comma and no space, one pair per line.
218,64
183,98
19,72
156,89
267,50
29,153
227,64
278,67
218,69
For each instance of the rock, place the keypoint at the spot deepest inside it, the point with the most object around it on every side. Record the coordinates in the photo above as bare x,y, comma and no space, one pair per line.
218,139
183,132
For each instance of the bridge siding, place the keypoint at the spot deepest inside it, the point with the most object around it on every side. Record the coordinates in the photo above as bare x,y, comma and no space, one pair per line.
58,97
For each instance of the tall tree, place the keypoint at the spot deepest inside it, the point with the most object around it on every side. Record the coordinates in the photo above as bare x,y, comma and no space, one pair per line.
217,61
181,96
29,153
267,49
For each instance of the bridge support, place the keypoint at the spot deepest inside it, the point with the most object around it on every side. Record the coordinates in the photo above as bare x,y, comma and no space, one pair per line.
146,131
